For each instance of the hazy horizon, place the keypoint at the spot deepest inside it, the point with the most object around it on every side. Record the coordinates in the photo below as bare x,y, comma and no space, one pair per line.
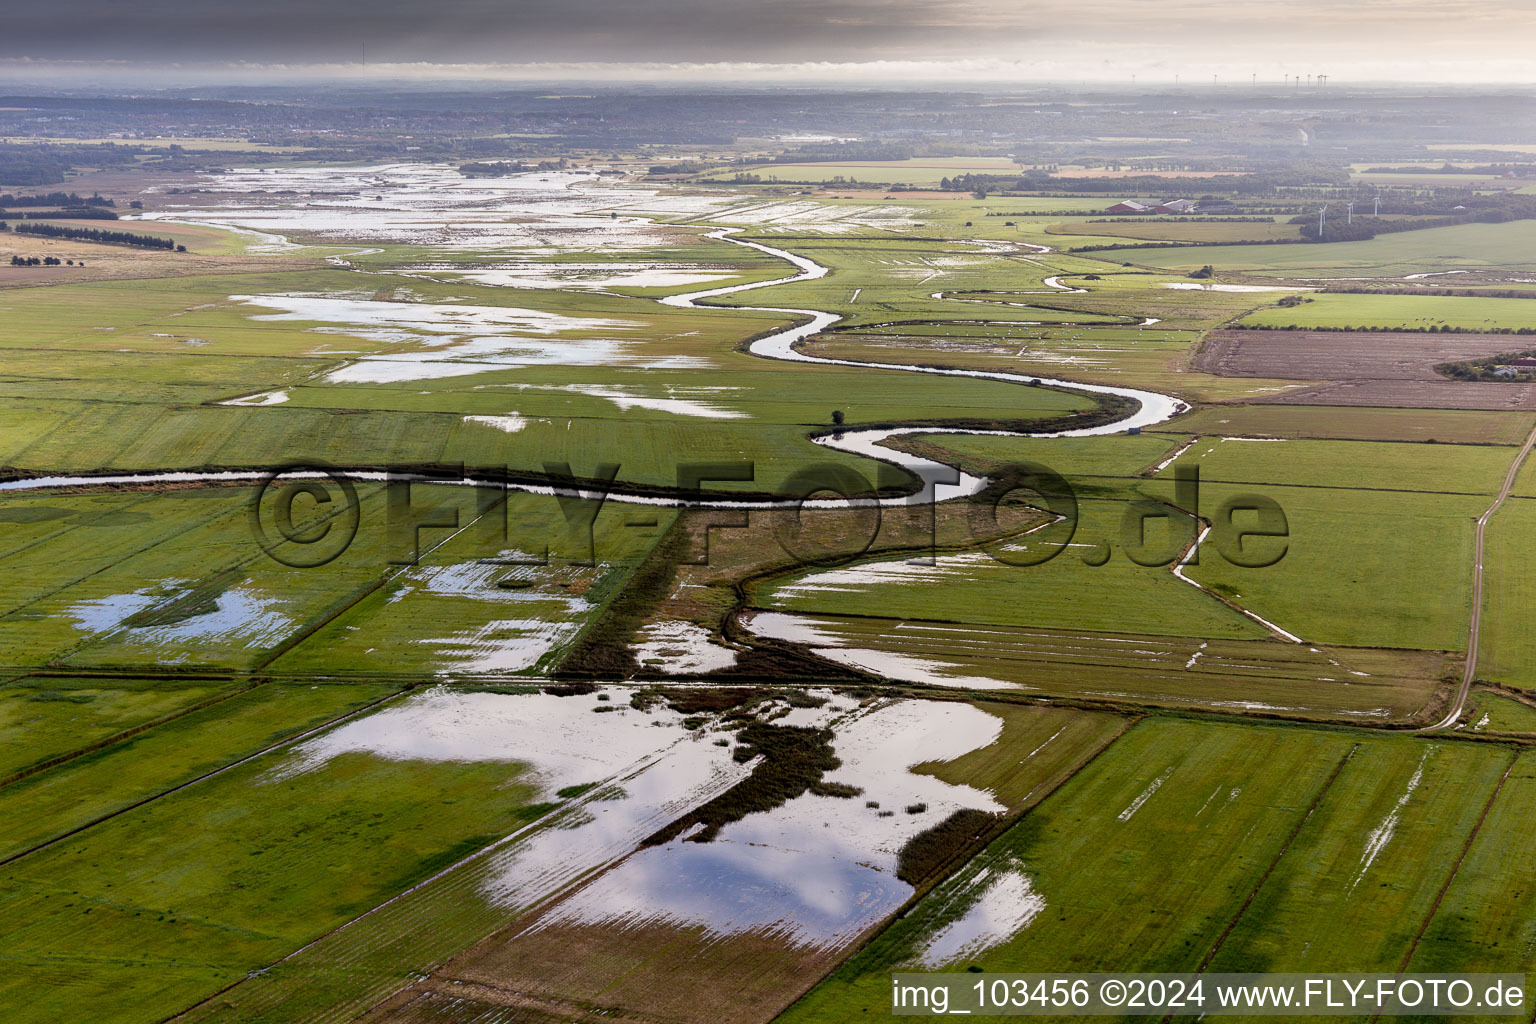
1150,77
777,41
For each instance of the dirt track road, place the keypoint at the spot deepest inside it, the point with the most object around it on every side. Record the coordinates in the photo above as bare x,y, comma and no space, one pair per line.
1475,623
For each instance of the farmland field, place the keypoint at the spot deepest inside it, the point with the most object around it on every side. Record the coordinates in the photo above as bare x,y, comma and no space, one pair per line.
576,557
1464,247
1237,907
1378,368
1180,231
1400,312
1363,424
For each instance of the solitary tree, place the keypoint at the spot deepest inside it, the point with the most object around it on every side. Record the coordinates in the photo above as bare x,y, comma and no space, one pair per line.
837,417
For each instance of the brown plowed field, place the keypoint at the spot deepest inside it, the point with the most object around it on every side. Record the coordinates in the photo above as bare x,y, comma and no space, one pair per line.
1366,367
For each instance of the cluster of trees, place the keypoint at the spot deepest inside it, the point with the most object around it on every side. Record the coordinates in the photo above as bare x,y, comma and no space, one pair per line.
42,261
1483,369
1380,329
99,235
681,167
502,168
71,213
1518,170
48,164
55,199
1466,293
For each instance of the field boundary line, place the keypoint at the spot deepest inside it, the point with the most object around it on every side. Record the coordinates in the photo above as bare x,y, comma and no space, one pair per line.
127,734
220,770
1466,848
307,632
1279,856
198,524
1192,550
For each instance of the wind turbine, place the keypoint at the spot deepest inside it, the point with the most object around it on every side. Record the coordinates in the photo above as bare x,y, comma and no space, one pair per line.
1322,218
1349,213
1376,210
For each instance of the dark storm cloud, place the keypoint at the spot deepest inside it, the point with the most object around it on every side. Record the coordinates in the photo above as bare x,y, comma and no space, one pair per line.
455,31
1075,37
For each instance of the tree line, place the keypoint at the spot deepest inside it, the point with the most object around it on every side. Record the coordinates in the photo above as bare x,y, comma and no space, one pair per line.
97,235
55,199
501,168
1264,183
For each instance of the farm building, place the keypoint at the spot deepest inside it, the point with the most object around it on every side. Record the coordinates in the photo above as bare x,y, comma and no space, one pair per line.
1175,206
1129,206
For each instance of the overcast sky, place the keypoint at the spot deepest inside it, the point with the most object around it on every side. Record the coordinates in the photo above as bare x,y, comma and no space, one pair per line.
1101,38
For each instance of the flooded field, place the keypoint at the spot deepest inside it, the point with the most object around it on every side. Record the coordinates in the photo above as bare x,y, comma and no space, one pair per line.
434,205
788,886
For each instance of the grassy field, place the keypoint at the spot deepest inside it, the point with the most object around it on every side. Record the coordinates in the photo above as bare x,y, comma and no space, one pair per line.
161,412
1063,593
1348,577
110,775
1453,426
1114,455
1263,677
1508,642
1155,230
1361,877
1051,315
458,611
227,876
1502,712
44,718
180,580
174,898
1146,358
1484,921
198,238
1401,312
1356,465
1375,603
1461,247
1136,864
1055,742
1146,859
